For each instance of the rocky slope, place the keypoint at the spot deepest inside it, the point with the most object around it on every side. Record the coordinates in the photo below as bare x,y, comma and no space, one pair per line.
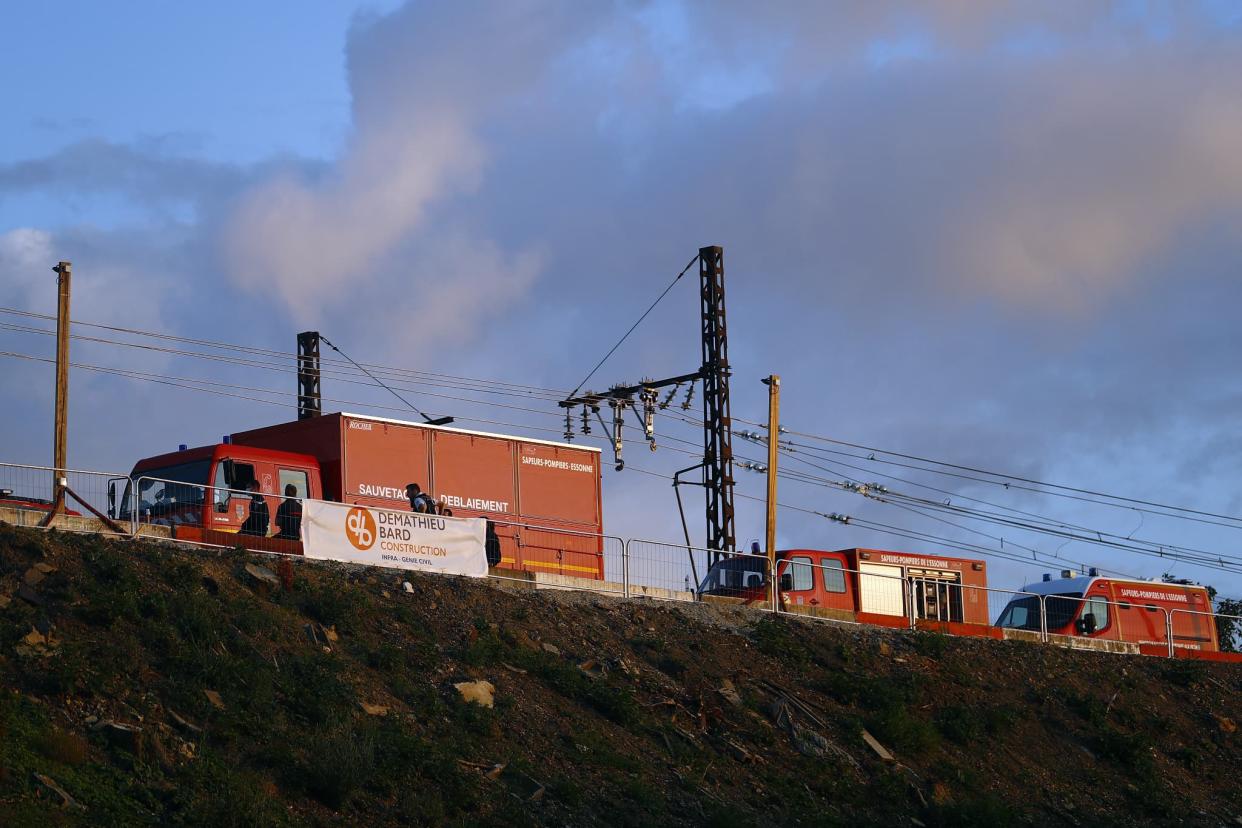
148,684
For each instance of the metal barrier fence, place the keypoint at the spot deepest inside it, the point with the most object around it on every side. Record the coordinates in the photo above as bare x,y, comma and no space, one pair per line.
213,516
1189,630
563,558
27,493
978,607
668,570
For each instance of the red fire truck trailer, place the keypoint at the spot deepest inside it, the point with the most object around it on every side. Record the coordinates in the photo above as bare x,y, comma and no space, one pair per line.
1118,609
543,496
867,585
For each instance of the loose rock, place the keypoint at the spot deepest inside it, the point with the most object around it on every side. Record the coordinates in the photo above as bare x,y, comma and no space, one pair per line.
66,801
262,577
481,693
879,749
729,693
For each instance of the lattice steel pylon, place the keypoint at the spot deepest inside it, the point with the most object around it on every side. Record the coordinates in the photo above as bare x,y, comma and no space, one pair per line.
717,462
717,422
310,403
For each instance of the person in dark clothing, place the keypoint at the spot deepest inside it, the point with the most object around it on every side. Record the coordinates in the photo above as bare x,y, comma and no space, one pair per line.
420,501
491,545
260,518
289,515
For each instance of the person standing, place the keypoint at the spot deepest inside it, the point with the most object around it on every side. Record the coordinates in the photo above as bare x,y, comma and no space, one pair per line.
419,500
289,515
491,544
259,521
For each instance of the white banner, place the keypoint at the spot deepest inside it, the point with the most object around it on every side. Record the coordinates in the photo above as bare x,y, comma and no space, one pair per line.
404,540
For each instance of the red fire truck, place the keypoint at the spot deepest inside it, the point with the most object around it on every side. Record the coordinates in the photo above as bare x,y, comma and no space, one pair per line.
867,585
543,496
1117,609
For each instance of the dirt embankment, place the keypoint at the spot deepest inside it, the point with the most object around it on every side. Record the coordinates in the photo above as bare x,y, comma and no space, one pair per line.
145,684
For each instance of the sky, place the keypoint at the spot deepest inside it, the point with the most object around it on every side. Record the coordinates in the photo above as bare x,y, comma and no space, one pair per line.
999,234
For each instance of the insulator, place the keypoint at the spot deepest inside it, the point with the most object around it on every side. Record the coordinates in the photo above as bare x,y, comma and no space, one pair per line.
668,398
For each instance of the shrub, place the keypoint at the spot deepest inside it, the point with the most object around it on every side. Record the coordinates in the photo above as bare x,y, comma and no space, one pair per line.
930,644
339,760
960,724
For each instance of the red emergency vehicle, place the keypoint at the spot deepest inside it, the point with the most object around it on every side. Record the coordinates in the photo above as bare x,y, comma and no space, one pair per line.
1118,609
866,585
543,496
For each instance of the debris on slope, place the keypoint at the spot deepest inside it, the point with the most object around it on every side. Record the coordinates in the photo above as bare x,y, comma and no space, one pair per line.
151,684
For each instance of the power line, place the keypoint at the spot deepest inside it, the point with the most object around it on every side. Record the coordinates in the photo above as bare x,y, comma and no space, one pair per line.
283,367
978,514
440,421
614,348
550,393
1155,549
1032,481
195,385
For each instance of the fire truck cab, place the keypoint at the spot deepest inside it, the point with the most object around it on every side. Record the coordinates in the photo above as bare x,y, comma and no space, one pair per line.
204,490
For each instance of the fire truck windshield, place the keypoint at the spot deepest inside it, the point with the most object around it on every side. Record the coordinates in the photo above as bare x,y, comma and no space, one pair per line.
1023,613
160,488
734,575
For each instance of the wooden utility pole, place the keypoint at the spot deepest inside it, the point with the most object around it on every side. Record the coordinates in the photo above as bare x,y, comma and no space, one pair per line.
64,275
774,432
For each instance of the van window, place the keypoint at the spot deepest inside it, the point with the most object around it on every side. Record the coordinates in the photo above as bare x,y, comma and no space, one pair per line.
803,573
297,478
834,578
1099,608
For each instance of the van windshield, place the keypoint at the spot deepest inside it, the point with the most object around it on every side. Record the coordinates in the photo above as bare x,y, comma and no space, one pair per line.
733,575
1023,613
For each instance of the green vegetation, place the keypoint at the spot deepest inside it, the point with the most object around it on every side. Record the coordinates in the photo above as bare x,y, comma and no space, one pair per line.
335,703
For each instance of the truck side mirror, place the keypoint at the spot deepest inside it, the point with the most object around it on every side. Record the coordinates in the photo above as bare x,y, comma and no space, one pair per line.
786,582
112,499
229,473
1087,624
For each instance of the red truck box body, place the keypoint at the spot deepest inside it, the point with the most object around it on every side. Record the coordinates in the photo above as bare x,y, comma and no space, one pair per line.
867,585
512,480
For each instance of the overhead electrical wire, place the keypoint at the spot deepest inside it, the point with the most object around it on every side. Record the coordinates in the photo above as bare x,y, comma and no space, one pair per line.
1049,523
339,376
550,393
1005,476
195,385
884,528
817,451
1155,549
626,335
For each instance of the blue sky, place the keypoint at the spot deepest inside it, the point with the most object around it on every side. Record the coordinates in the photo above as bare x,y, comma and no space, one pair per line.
999,234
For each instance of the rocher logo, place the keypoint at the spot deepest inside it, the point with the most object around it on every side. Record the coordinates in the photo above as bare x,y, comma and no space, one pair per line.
360,528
